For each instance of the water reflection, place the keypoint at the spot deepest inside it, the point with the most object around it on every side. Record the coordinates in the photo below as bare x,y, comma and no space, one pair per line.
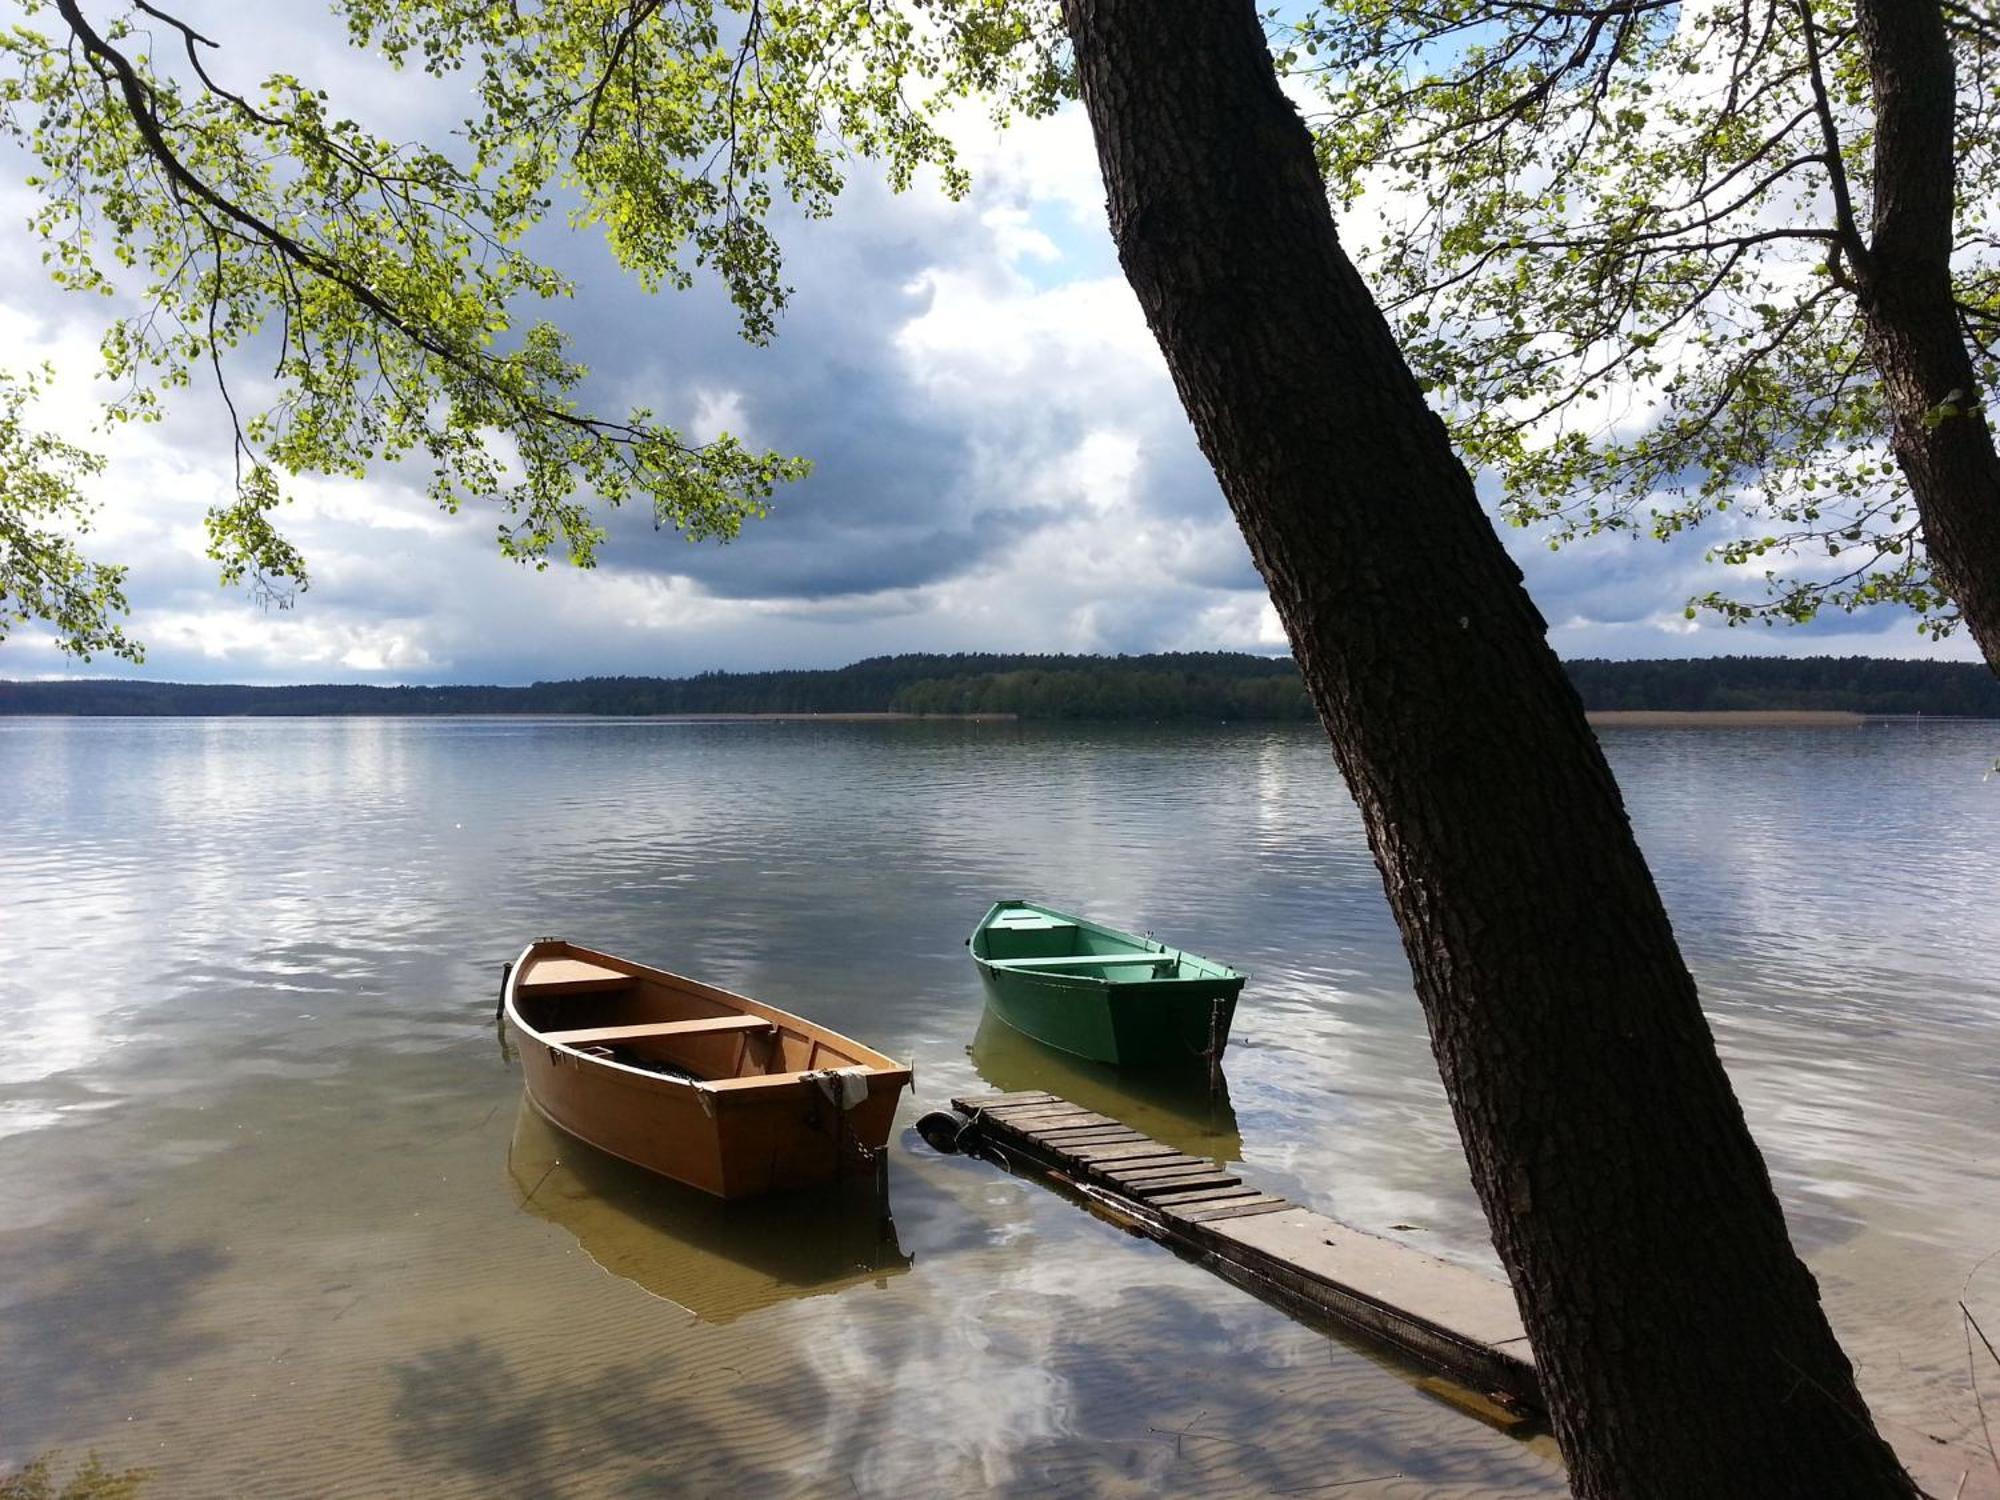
249,1205
1178,1109
718,1260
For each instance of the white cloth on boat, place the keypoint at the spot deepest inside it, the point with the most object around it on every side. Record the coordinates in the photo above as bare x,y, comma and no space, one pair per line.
845,1087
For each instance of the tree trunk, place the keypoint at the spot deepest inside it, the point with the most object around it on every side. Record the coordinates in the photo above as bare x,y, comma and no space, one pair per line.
1942,438
1681,1342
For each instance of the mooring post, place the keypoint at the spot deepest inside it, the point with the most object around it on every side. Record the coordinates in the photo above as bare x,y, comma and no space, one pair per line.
1214,1051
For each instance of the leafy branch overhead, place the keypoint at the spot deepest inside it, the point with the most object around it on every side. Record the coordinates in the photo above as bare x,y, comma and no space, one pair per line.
43,576
1631,246
384,288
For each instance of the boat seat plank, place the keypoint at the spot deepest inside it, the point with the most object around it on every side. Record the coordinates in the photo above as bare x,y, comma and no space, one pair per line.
707,1025
775,1080
1084,960
572,976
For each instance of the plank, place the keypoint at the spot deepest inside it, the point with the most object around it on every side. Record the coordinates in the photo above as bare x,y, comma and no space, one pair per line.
1155,1189
1079,1135
1082,961
704,1026
1112,1136
1474,1307
1074,1120
1075,1117
1243,1208
973,1102
1105,1165
1099,1165
1031,1105
1037,1107
1147,1172
571,976
1189,1197
1103,1156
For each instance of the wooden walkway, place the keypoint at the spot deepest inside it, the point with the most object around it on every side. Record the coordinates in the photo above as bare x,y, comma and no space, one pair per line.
1455,1321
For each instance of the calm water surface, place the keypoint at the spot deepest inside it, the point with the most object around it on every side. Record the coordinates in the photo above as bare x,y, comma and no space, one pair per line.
273,1220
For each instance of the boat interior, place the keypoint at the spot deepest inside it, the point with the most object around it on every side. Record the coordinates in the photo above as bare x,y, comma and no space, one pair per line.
1027,938
662,1024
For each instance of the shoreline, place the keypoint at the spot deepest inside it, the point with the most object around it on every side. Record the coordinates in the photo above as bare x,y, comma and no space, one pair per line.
1599,718
1730,718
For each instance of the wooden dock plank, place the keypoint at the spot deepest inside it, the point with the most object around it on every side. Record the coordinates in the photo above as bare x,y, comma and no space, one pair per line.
1154,1190
1110,1135
1028,1114
1142,1174
1242,1208
1045,1119
975,1103
1201,1197
1129,1179
1470,1306
1109,1155
1054,1129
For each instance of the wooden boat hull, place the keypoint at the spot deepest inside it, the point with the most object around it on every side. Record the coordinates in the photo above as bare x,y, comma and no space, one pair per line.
1105,995
696,1083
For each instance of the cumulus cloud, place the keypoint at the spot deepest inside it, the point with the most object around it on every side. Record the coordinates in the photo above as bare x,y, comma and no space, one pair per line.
1000,460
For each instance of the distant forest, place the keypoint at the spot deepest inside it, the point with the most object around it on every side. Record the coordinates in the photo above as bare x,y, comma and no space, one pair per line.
1186,685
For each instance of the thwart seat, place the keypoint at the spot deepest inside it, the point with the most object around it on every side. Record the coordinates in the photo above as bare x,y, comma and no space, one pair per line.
573,976
707,1025
1083,960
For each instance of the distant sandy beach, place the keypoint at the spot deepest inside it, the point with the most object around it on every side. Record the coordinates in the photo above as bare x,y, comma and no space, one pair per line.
1709,718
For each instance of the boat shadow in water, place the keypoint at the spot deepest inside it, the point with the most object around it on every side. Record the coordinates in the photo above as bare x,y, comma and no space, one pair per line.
718,1259
1177,1108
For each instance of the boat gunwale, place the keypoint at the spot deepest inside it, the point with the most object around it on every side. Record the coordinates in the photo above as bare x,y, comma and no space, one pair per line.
1094,982
756,1087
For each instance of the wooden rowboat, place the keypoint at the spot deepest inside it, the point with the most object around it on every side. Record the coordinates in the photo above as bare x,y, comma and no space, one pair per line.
1101,993
707,1087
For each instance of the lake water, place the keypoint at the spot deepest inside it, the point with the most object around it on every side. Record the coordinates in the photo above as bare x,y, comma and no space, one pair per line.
274,1221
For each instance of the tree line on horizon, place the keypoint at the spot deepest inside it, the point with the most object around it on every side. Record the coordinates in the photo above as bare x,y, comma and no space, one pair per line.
1167,686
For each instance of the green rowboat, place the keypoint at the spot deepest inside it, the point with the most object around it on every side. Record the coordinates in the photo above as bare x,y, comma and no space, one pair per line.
1101,993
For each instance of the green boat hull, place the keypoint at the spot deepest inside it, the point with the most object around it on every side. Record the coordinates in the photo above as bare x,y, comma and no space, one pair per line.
1101,994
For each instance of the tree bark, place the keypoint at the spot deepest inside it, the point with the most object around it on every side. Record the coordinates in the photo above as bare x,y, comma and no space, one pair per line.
1942,438
1681,1342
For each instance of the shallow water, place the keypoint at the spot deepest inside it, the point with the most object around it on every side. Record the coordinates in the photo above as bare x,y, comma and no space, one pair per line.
274,1222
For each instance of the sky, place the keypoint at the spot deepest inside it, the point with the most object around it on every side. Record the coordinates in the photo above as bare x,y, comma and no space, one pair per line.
1000,462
